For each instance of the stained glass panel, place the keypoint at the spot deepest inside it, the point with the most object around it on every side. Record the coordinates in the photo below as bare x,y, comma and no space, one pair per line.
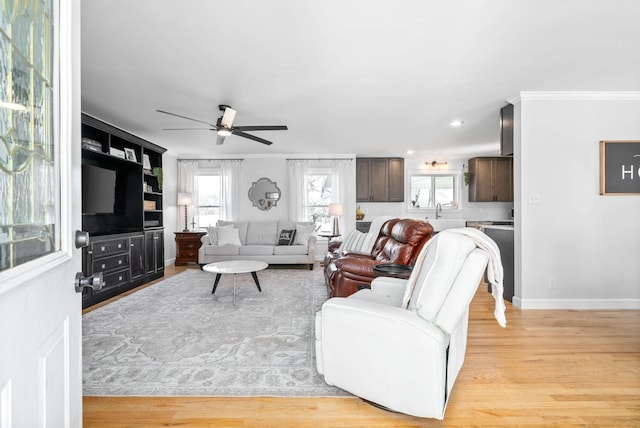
5,45
28,206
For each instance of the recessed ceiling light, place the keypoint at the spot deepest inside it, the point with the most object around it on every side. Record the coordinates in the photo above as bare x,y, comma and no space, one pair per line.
410,152
456,123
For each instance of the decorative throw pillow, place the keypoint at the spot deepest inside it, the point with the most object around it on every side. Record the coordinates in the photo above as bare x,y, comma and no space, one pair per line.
353,241
286,237
303,233
212,233
228,236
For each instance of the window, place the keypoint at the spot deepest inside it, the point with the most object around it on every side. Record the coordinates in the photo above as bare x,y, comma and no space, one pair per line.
318,185
209,190
29,162
428,190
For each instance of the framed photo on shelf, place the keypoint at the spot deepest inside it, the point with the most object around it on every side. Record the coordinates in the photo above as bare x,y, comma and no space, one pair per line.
146,163
116,152
130,154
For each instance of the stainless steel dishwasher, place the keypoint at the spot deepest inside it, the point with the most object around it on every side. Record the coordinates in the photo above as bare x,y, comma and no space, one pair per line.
503,237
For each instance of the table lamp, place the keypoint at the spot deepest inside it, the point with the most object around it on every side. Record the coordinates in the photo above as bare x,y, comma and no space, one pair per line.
185,199
335,211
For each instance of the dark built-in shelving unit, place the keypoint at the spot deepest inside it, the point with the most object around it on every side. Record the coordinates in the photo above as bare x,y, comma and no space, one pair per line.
126,242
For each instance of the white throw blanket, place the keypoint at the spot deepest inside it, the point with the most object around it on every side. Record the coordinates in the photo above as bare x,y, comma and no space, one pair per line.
495,273
374,231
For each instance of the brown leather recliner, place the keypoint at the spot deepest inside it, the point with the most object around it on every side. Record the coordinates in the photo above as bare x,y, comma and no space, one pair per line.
399,242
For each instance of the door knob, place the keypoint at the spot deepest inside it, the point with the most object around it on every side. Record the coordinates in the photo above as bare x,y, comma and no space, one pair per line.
81,238
94,282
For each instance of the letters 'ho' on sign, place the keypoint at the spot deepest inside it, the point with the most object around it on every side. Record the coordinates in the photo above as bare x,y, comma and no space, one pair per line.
620,167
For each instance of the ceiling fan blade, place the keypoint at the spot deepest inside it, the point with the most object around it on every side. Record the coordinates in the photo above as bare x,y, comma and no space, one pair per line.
188,129
251,137
261,128
220,139
227,117
185,117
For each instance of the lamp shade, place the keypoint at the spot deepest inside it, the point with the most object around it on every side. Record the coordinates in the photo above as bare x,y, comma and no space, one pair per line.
335,210
184,198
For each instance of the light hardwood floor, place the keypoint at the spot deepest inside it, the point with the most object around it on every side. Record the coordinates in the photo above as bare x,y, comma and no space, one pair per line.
560,367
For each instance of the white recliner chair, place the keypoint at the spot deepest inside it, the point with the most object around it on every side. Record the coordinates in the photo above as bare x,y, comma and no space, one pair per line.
402,343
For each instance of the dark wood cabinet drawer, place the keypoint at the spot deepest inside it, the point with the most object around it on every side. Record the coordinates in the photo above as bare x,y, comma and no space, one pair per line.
188,254
108,264
116,278
189,245
106,248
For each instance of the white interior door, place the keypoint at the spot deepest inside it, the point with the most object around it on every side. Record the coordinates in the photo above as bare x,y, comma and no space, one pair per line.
40,312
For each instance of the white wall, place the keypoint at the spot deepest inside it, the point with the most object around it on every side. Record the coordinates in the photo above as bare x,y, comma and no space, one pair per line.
169,205
575,248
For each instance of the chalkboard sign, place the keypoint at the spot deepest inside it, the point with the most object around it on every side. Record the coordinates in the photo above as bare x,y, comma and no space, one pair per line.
620,167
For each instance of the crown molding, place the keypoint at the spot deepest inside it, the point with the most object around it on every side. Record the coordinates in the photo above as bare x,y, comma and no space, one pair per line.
575,96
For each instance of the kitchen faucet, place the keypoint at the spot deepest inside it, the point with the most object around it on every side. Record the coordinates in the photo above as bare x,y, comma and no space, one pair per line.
438,210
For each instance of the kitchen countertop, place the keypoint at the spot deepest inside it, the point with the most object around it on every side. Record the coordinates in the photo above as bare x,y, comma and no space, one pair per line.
496,226
505,222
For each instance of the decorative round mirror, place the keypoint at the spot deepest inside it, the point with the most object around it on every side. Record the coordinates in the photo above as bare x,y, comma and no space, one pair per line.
264,194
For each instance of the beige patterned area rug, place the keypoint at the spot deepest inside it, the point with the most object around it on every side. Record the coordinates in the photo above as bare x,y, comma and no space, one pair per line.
175,338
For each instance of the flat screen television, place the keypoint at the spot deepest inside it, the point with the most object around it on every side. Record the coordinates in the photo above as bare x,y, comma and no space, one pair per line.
111,197
98,190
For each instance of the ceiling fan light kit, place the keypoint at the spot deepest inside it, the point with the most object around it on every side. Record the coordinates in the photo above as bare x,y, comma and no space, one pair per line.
224,132
224,126
228,115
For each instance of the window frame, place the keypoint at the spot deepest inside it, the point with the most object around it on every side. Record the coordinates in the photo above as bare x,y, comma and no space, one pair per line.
457,189
324,224
206,172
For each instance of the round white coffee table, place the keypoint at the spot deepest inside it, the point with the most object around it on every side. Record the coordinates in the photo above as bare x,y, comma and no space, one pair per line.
235,267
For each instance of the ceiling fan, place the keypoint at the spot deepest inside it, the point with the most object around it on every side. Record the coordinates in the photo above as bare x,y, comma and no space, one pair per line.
224,126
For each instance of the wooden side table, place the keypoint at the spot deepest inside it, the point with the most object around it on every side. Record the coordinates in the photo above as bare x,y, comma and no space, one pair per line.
187,245
332,244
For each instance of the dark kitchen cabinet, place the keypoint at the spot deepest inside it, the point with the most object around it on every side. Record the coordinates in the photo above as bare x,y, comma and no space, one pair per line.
506,130
504,240
379,179
491,179
396,180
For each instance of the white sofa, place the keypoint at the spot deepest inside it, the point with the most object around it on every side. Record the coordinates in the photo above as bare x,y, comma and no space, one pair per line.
401,344
258,240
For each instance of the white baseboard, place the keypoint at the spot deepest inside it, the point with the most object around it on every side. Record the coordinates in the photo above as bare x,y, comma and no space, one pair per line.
601,304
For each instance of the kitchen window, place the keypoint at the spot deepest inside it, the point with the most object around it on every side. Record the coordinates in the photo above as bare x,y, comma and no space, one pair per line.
429,190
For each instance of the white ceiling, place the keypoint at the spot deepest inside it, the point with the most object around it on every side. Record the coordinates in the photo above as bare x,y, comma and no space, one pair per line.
364,77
